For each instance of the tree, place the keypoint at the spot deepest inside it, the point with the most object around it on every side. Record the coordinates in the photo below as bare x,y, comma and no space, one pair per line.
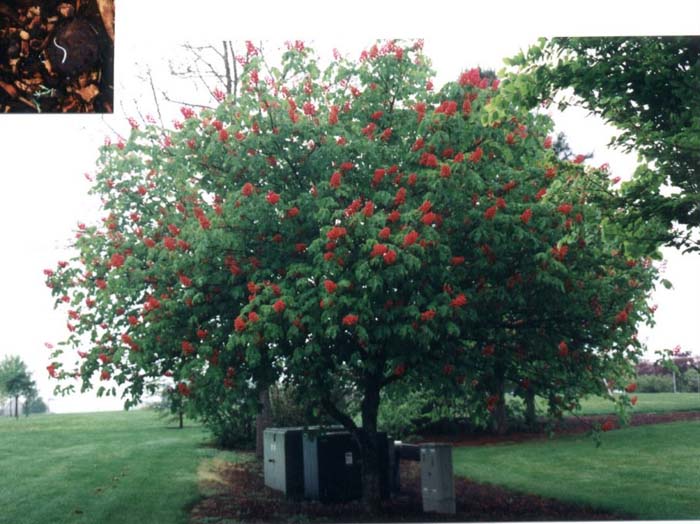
343,231
15,380
648,87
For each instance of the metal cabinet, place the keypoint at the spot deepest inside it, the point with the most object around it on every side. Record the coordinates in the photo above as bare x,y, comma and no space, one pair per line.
436,478
284,460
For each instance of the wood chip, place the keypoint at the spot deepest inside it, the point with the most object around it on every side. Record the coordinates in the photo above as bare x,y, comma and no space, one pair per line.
89,92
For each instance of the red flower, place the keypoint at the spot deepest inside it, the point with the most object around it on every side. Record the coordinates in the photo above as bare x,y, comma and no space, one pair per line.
476,155
187,347
418,144
389,257
133,320
550,173
300,247
457,261
621,317
239,324
185,281
400,197
490,212
247,189
445,171
336,232
560,252
368,210
333,115
368,130
427,315
500,203
394,216
350,320
253,316
526,216
149,242
100,283
223,135
563,349
459,301
400,369
170,243
335,180
272,197
607,425
279,306
565,208
429,218
202,334
105,375
633,400
410,238
183,389
117,260
579,159
376,115
309,109
378,249
384,233
346,166
353,208
292,212
330,286
52,371
631,388
548,142
386,134
378,176
428,160
541,193
488,350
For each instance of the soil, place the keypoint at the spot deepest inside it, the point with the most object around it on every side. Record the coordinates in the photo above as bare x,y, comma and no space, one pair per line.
239,493
56,57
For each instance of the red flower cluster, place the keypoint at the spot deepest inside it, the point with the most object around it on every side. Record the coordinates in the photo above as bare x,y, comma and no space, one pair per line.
559,253
185,281
565,208
335,180
427,315
116,261
336,232
563,349
526,216
459,301
279,306
183,389
247,189
272,197
476,155
350,320
187,347
410,238
330,286
490,212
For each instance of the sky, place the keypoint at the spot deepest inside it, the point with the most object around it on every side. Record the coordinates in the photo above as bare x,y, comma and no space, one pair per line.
44,158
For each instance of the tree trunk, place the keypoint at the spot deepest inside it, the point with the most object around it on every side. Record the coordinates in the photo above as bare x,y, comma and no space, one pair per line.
17,406
530,413
181,424
263,420
369,448
500,416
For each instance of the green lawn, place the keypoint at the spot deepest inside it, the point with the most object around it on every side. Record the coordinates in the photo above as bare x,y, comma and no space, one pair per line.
647,403
109,468
652,472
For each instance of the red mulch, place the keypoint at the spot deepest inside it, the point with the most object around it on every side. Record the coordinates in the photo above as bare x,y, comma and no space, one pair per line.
242,496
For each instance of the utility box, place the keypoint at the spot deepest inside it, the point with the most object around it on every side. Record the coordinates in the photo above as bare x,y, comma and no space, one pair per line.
436,478
333,467
284,460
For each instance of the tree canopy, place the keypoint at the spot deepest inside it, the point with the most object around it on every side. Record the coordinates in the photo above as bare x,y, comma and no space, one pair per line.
346,229
16,380
648,87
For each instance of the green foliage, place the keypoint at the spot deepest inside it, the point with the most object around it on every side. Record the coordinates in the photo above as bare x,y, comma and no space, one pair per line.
655,384
649,88
16,380
344,230
623,474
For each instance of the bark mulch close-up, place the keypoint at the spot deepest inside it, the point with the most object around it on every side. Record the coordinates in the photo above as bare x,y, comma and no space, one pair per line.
56,57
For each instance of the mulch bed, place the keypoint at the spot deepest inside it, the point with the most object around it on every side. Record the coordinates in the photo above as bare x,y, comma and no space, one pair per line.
56,56
242,496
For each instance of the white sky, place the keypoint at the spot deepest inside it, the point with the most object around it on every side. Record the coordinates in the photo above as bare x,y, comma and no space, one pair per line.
43,192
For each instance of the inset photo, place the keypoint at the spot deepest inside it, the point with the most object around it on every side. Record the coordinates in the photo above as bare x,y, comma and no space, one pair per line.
56,57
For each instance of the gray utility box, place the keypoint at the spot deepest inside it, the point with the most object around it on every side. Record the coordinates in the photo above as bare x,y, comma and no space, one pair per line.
284,460
333,467
436,478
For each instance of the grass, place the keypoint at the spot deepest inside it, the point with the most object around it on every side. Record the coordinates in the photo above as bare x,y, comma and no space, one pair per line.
646,403
651,472
110,468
